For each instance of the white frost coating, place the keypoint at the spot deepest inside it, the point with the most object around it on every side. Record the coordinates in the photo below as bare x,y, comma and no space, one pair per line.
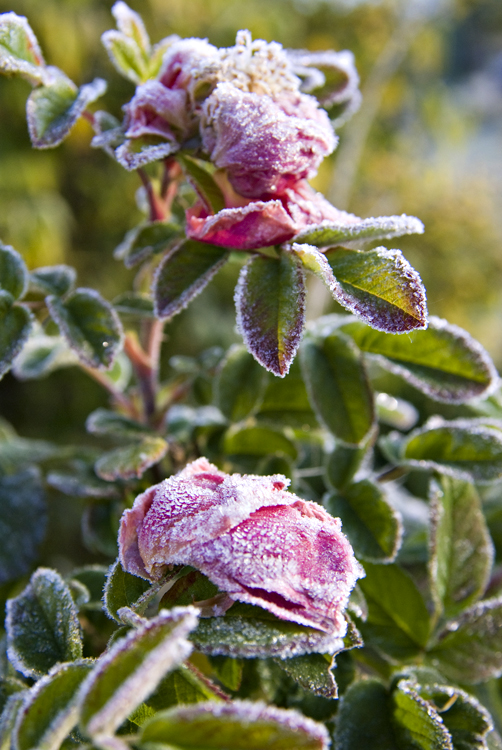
249,713
131,24
329,233
131,159
166,656
440,732
35,73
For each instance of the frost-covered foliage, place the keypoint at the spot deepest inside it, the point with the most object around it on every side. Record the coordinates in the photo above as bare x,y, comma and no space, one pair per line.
330,573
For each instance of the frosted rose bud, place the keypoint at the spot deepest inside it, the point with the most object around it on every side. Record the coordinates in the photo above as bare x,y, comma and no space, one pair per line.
251,537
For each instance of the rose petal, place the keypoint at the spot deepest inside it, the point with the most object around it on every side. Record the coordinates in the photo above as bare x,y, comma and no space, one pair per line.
259,224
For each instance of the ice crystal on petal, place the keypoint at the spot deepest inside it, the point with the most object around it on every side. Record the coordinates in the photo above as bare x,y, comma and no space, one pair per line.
258,542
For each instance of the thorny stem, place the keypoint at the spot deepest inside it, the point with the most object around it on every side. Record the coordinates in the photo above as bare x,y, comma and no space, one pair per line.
119,398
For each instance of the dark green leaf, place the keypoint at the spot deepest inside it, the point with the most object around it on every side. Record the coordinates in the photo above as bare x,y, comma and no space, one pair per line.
286,400
100,525
240,725
9,686
469,649
56,280
380,228
81,481
462,449
465,718
398,620
364,718
16,453
257,441
105,422
132,668
183,274
343,464
338,387
90,326
125,590
146,240
132,460
204,184
93,577
13,271
20,53
15,325
248,631
41,355
270,304
239,385
180,686
191,587
312,672
42,625
8,719
228,671
53,109
416,721
50,711
461,550
22,522
134,304
443,362
373,527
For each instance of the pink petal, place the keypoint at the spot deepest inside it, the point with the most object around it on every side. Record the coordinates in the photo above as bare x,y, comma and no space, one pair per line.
259,224
262,142
258,542
154,109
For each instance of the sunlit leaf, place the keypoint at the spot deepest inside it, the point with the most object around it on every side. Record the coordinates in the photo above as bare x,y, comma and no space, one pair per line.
313,672
20,53
416,721
330,234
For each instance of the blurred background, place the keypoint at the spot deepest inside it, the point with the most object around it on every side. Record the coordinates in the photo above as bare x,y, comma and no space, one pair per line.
427,141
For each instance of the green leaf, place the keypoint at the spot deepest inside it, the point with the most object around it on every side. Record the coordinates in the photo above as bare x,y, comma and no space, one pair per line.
191,587
417,723
93,577
257,441
270,304
81,481
90,326
373,527
105,422
132,460
54,108
50,711
338,387
467,721
379,285
15,326
184,272
443,362
240,384
364,718
16,453
462,449
129,47
146,240
42,625
22,522
13,271
56,280
461,550
398,621
20,53
381,228
248,631
8,719
240,725
134,304
469,649
343,463
180,686
395,412
204,184
286,400
41,355
125,590
132,668
312,672
229,671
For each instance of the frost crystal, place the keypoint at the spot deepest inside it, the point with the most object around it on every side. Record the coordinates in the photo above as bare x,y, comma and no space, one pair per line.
255,540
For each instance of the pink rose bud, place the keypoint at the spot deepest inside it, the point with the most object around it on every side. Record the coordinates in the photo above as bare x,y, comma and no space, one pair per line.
255,540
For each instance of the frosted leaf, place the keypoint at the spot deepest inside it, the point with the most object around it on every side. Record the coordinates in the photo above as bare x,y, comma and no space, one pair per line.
20,53
258,542
131,24
270,306
330,234
132,155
